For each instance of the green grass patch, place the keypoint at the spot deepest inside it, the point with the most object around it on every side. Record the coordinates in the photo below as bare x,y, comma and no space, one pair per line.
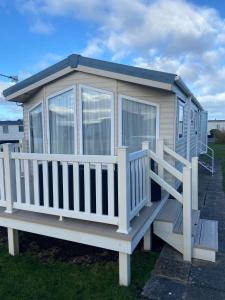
220,154
26,277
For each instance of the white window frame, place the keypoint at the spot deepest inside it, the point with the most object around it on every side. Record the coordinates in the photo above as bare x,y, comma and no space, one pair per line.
5,126
41,102
81,114
180,103
71,88
120,98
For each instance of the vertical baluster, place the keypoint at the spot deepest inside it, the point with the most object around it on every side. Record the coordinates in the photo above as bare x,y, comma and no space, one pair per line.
36,183
133,197
2,183
76,187
140,179
110,189
87,188
27,181
45,183
98,170
65,186
18,181
137,182
55,174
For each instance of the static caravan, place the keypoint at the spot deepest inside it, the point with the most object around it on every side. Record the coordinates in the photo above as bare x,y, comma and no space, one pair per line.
11,131
106,148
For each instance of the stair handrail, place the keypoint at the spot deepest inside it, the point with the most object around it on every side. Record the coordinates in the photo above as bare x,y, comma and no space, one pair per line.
184,198
212,156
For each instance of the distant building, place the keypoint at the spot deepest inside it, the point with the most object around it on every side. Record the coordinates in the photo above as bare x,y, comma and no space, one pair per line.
216,124
11,131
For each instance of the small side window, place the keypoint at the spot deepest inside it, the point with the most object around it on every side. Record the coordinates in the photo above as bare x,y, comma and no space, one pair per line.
20,128
5,129
180,120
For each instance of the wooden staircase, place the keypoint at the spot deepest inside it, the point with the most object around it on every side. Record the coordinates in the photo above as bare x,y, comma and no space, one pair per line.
169,226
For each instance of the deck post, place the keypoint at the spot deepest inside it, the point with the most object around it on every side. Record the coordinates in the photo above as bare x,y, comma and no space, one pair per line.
160,154
146,146
124,269
9,169
187,214
13,241
148,240
123,190
194,179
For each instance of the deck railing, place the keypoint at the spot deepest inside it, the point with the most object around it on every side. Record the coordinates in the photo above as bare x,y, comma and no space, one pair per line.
106,189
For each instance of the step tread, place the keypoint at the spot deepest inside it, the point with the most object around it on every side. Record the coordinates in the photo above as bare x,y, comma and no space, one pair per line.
207,235
178,225
170,211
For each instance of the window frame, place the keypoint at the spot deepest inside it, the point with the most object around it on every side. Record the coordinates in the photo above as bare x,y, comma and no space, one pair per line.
120,112
182,104
41,102
20,127
73,89
5,126
81,115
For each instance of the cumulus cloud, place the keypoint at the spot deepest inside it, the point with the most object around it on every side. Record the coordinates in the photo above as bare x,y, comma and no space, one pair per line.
169,35
39,26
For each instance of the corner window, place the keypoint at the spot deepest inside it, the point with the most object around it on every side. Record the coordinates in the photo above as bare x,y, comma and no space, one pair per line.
20,128
36,129
138,123
96,114
180,120
5,129
61,122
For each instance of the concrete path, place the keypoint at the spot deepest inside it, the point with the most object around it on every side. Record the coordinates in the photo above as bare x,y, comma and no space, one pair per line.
173,278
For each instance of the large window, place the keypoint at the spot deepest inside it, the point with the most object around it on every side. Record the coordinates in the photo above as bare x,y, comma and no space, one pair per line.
180,120
138,124
96,107
36,130
61,122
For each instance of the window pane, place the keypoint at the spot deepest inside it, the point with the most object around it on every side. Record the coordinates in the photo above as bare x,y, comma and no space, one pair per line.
181,121
36,135
138,124
61,123
96,116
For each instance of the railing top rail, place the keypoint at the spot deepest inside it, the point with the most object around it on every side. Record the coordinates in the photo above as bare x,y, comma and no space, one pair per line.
177,156
137,155
65,157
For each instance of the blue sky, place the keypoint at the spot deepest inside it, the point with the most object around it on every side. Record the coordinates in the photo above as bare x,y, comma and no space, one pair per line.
179,36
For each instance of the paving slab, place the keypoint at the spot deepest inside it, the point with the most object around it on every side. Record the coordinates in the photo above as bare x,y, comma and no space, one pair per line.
197,293
164,288
178,270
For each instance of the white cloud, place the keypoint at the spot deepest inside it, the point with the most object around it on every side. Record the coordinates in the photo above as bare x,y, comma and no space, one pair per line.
39,26
169,35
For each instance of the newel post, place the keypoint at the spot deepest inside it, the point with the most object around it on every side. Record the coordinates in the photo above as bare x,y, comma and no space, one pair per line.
146,146
187,214
160,154
123,190
194,177
9,178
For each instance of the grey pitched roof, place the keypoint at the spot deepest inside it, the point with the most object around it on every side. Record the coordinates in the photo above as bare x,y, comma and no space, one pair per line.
75,60
9,122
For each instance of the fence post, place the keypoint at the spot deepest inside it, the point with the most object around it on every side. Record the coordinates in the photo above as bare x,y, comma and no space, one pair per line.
146,146
160,154
9,179
187,214
194,179
123,190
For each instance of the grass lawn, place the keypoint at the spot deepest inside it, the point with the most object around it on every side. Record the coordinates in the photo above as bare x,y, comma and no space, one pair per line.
27,277
220,153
